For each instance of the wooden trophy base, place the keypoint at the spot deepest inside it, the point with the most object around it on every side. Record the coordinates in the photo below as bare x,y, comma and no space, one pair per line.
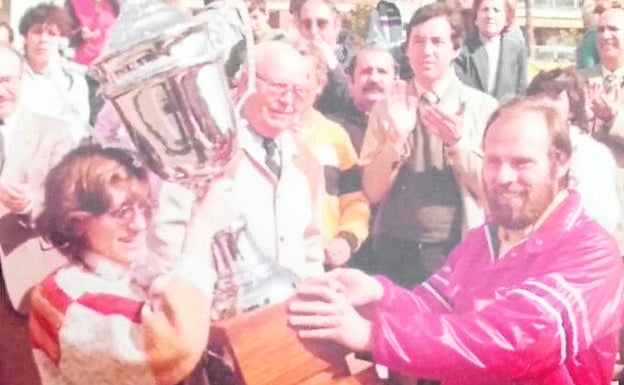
264,350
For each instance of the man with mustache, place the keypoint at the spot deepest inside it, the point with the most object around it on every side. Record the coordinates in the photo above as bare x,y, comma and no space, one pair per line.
371,75
533,296
421,155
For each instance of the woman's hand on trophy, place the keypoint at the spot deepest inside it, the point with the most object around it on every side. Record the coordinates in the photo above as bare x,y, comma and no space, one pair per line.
212,213
320,312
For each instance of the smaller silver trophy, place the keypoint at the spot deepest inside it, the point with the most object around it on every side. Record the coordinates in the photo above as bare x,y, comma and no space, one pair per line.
164,74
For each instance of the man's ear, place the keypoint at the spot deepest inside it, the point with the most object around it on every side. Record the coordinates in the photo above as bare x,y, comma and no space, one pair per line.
563,166
563,169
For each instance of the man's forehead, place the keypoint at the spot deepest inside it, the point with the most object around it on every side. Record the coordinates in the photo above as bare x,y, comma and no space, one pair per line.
612,18
278,72
437,27
379,58
499,4
46,26
316,8
518,128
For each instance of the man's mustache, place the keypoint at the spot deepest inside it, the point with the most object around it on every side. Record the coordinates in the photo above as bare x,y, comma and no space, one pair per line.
373,86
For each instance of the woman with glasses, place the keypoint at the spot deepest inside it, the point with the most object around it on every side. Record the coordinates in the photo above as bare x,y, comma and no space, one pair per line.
95,321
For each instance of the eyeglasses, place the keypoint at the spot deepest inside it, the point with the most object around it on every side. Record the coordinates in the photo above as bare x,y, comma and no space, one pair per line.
320,23
276,89
126,213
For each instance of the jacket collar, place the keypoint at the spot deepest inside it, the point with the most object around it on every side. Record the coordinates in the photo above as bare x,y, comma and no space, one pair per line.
251,143
557,221
106,267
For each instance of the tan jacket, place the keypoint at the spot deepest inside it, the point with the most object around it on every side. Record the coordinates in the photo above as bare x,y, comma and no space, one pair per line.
465,157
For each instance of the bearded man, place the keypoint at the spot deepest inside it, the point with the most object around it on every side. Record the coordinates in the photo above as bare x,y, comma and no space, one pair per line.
533,296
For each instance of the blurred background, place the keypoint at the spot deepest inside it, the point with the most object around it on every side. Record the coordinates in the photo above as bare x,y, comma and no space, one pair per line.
552,27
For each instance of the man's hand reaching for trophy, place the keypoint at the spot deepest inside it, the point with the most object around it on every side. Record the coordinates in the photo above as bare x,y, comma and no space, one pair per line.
322,313
326,308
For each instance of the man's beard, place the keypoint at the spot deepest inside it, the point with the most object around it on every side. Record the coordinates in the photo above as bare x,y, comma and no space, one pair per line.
517,216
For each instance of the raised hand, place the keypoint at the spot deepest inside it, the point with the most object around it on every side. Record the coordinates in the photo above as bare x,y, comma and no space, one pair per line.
213,212
401,110
327,52
602,104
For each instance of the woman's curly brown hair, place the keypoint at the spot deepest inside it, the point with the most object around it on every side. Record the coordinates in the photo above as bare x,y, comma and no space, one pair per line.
81,185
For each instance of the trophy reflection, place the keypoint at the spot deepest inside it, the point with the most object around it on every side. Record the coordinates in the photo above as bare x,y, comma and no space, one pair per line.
247,279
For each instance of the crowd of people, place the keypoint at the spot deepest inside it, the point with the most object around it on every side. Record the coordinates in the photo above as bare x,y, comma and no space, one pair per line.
459,222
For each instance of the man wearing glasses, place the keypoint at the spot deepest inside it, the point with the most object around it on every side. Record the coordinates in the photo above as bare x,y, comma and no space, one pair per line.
30,144
276,180
319,23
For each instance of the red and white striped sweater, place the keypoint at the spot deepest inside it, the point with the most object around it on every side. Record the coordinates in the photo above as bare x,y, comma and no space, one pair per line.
93,325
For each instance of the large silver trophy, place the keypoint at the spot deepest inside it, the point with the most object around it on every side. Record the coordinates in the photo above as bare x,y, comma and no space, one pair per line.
164,74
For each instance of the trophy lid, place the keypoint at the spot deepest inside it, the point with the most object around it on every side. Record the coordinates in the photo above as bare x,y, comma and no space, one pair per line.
140,21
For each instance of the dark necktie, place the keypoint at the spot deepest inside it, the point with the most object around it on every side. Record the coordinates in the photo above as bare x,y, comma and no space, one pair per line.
272,159
609,83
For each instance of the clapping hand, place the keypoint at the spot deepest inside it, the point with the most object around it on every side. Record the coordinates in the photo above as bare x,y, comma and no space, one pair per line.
401,109
603,105
446,127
